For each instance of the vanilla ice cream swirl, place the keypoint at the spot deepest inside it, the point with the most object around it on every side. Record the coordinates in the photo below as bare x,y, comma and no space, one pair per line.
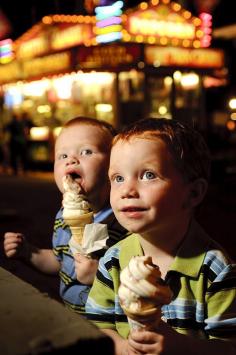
141,279
72,197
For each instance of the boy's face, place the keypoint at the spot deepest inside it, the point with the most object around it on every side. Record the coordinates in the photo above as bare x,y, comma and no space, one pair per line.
80,151
147,191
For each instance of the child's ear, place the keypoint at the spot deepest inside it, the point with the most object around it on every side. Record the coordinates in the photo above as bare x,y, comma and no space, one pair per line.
197,191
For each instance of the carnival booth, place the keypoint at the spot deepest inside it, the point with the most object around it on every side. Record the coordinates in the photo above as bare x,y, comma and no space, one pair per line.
118,65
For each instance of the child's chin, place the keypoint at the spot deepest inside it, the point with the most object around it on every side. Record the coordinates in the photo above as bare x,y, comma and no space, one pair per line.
135,229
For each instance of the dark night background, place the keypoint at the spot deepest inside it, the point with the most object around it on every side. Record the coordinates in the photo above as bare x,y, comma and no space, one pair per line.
23,15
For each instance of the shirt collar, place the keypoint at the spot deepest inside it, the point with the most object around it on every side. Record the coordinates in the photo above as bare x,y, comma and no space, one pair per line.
130,247
190,256
103,214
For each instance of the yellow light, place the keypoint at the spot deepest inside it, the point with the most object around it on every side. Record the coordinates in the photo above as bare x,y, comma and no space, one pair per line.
175,41
103,108
199,33
163,40
56,131
197,21
176,7
151,39
168,80
233,116
39,133
187,15
141,65
186,43
47,20
177,76
43,109
162,110
232,103
155,2
143,6
108,29
189,81
196,44
126,37
139,38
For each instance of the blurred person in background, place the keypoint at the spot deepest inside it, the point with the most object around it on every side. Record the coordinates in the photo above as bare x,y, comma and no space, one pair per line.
4,154
19,130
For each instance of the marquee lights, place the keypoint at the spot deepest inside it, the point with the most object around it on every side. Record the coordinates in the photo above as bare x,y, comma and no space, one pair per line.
206,29
108,25
6,52
109,37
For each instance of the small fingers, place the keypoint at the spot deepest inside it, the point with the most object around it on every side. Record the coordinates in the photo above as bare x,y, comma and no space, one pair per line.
12,243
145,342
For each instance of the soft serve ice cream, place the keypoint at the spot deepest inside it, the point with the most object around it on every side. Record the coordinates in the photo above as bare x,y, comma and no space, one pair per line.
74,202
76,208
142,292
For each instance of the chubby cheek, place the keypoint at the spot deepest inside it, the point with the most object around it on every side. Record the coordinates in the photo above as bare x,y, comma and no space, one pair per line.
58,174
114,197
98,175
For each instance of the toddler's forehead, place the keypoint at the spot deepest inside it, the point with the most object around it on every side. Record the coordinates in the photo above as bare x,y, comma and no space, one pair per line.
84,134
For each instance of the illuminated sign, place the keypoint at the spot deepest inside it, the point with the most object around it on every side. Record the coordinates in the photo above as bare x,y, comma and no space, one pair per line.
161,28
46,65
34,47
164,23
195,58
108,56
108,26
10,72
71,36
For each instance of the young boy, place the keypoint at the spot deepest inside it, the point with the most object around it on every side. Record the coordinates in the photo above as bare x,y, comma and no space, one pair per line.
82,150
159,170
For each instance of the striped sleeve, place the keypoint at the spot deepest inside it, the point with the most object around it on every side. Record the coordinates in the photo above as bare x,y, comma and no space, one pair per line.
221,298
101,303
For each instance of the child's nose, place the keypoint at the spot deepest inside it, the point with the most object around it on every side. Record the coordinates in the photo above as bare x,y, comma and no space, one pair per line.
72,160
130,190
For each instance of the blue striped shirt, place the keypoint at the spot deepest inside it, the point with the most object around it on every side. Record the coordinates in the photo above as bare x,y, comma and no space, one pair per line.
74,293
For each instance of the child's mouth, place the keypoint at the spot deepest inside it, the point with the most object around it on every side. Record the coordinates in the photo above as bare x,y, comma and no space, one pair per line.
132,209
75,177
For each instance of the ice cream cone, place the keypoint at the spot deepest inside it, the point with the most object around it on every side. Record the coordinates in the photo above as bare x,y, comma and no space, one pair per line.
147,320
142,293
77,224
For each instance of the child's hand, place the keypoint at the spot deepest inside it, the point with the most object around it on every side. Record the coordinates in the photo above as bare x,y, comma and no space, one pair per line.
15,245
163,341
85,268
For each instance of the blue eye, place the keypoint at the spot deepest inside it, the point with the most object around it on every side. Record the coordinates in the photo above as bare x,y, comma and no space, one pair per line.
63,156
86,152
148,175
119,178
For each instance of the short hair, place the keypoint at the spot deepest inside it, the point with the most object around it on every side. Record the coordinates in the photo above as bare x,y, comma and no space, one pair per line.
186,145
90,121
107,129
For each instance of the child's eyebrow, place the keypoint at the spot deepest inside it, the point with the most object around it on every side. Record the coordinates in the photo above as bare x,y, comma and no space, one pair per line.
111,171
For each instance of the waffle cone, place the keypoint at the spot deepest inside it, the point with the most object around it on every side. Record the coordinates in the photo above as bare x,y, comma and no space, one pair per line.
146,320
77,224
